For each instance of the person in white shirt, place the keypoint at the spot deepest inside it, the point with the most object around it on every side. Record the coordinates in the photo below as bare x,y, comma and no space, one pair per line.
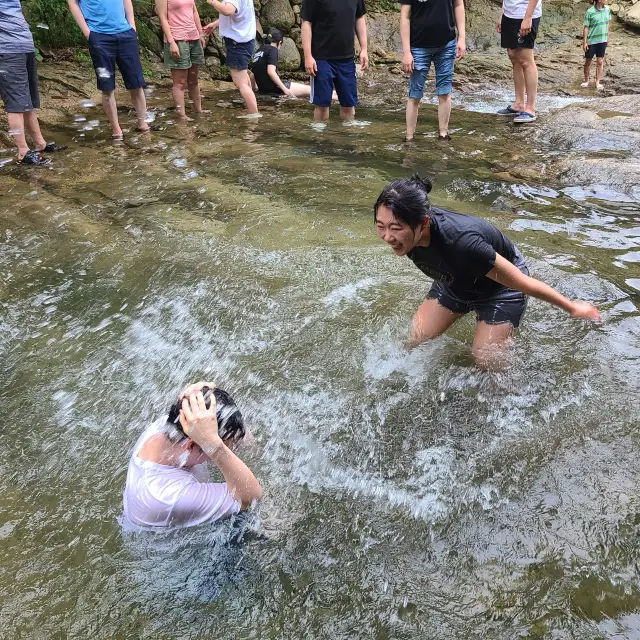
238,29
167,483
518,27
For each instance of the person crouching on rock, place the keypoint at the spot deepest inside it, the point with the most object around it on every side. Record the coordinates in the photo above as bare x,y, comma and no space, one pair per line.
183,49
474,267
264,76
167,484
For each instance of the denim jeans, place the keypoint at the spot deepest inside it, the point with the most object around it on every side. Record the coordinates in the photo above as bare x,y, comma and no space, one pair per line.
443,59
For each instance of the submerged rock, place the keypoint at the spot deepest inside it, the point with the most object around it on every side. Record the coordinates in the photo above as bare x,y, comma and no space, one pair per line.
289,59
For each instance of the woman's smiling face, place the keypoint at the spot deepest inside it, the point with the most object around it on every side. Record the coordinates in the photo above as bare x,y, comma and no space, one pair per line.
397,234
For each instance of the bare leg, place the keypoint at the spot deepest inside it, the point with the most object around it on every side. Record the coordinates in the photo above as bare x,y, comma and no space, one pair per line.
518,80
530,71
347,113
33,128
16,130
111,111
242,81
321,114
444,113
587,69
413,106
179,85
140,104
194,88
599,71
300,90
490,343
430,321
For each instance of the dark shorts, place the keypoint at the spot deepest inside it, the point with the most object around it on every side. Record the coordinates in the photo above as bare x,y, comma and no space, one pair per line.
596,50
506,305
108,50
340,74
19,82
510,34
273,91
239,54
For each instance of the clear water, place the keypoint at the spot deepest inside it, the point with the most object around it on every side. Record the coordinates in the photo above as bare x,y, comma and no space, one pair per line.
407,495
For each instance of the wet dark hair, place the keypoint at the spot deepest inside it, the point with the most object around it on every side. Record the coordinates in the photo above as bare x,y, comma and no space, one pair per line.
273,35
230,420
408,199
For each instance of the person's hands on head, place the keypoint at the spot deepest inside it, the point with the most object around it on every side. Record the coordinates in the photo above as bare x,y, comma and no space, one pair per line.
199,423
311,66
364,60
174,50
585,311
195,387
407,62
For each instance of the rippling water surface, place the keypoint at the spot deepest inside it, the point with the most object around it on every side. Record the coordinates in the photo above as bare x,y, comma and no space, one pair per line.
408,495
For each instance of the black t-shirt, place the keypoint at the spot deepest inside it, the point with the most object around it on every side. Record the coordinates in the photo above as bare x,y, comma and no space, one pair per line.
433,22
261,60
461,252
333,26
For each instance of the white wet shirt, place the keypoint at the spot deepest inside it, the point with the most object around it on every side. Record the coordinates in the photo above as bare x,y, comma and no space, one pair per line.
517,8
241,26
157,495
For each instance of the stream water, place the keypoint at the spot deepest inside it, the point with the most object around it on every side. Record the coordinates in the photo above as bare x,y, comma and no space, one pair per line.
408,495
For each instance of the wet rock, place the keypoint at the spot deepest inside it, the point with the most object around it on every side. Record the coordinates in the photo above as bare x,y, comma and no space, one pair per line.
278,13
289,59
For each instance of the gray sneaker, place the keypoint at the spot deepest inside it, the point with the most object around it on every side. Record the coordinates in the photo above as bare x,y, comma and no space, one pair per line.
508,111
525,118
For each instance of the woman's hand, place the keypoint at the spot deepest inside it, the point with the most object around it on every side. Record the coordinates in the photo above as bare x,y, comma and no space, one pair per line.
199,423
174,50
584,310
208,29
526,26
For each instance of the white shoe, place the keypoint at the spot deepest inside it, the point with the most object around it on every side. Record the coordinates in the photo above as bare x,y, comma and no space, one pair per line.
584,85
599,86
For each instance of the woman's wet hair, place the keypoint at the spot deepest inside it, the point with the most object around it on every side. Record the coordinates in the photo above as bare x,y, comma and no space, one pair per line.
408,199
230,420
272,36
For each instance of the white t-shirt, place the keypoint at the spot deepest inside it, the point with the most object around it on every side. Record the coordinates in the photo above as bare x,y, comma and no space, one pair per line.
241,26
517,8
156,495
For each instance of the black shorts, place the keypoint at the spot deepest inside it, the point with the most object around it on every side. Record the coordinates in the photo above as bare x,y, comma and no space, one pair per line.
19,82
239,54
506,305
510,37
108,50
275,90
596,50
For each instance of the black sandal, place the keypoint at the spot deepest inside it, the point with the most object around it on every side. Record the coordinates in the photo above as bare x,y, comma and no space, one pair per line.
34,158
52,147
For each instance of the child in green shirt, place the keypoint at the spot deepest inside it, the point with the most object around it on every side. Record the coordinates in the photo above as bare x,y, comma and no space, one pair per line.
595,37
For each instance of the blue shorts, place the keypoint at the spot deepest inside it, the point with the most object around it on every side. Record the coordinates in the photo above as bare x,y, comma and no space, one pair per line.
443,59
239,54
340,74
108,50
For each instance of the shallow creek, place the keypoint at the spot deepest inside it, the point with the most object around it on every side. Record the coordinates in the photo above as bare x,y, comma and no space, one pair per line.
408,495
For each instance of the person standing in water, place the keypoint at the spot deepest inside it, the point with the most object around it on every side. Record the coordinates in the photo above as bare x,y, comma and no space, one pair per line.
183,49
328,27
167,484
238,29
428,32
474,267
595,38
110,29
518,27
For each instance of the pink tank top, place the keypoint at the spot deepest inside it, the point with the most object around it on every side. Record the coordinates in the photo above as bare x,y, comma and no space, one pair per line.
181,22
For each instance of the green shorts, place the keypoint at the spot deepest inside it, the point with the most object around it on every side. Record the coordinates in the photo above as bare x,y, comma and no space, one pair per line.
191,52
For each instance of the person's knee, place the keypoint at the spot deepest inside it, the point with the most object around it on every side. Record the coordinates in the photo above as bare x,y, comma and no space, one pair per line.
489,357
108,94
444,98
180,83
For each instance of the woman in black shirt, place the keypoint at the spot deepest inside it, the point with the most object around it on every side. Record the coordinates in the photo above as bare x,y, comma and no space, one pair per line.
474,267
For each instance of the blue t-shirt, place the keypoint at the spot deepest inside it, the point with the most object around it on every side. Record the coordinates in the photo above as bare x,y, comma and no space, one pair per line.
15,35
105,16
